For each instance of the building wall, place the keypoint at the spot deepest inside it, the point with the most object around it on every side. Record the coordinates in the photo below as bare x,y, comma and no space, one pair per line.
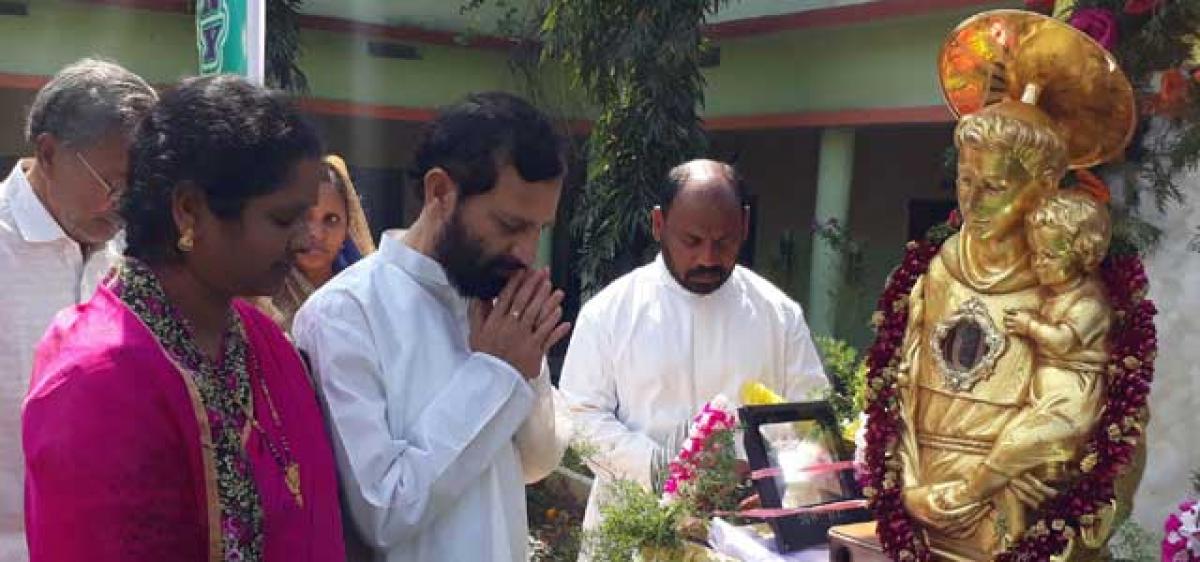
892,167
780,170
877,65
868,66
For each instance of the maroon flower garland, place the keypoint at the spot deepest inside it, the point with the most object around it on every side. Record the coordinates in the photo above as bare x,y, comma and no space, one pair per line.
1109,451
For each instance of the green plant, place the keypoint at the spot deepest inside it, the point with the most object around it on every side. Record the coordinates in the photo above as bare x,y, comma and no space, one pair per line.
283,46
717,487
634,520
848,374
639,64
554,522
1132,543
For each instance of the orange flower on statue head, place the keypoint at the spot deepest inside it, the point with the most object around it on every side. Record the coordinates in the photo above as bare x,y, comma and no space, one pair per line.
1088,183
1172,93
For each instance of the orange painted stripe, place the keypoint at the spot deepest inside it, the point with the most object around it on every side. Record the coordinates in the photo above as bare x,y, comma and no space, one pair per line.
841,15
834,118
22,81
366,110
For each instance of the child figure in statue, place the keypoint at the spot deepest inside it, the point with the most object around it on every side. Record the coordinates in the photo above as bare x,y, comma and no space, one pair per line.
1068,236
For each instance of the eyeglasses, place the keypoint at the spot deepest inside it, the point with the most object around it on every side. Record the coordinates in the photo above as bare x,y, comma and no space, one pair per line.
111,191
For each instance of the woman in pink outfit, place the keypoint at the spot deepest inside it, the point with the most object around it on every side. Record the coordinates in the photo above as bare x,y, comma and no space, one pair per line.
168,420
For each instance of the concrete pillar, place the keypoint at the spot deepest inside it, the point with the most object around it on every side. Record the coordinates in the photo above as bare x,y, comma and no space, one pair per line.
545,251
834,174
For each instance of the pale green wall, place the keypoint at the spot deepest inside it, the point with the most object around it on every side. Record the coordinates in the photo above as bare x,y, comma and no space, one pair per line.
338,67
159,46
892,165
881,64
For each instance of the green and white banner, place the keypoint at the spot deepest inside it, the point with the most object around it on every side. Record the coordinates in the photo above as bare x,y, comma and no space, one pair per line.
230,37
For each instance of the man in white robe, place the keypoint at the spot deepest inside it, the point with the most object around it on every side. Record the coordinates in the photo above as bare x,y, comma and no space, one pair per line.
651,348
430,353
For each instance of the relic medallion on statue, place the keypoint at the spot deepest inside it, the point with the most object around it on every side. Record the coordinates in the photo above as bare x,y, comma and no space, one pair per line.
966,346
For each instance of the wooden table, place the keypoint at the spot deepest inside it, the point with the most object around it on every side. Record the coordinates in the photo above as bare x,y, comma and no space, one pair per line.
855,543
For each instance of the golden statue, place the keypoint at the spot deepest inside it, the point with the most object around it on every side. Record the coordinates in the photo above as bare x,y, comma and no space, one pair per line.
1004,355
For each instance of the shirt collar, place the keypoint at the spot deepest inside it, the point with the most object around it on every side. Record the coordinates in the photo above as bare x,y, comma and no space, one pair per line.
393,250
33,220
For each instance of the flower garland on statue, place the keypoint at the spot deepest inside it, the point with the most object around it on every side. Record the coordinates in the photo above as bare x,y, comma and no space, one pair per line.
1110,448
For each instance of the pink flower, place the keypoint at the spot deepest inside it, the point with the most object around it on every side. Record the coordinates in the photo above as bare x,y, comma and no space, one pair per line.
1181,540
1140,7
1099,24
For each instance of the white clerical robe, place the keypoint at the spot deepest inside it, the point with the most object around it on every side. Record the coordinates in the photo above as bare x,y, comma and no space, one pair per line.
646,354
42,271
434,442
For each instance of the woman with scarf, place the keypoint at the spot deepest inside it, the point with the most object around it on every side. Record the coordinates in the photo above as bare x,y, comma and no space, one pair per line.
340,235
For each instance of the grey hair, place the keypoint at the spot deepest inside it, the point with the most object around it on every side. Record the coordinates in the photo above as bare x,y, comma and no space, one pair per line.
87,100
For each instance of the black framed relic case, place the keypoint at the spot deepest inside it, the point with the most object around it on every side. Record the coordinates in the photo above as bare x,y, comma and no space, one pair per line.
799,461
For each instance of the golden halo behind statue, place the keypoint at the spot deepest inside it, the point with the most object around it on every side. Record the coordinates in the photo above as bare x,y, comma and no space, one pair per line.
997,55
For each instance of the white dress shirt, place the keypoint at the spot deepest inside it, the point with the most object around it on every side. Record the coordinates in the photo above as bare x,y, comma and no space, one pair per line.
42,271
647,353
434,442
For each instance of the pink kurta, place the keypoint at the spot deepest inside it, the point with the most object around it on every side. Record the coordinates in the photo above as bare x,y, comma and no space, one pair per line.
119,459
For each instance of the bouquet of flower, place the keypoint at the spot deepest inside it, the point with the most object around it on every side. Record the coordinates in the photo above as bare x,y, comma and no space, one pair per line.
703,476
702,479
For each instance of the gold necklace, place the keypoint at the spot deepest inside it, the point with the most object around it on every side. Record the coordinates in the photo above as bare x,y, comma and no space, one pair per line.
285,460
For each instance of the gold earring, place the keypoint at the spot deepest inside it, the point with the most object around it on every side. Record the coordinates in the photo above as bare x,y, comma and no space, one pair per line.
186,241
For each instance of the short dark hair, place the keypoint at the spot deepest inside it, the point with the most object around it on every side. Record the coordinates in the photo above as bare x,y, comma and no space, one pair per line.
472,139
231,139
678,177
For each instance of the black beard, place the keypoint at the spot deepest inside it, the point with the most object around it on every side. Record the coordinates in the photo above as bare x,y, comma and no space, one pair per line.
690,281
471,273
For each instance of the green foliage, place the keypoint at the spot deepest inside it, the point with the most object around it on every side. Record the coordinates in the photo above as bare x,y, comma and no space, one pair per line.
1161,40
639,63
633,520
283,46
575,456
849,375
555,517
717,487
1132,543
784,267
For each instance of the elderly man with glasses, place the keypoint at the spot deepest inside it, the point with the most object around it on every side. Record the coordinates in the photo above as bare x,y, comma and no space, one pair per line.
57,224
